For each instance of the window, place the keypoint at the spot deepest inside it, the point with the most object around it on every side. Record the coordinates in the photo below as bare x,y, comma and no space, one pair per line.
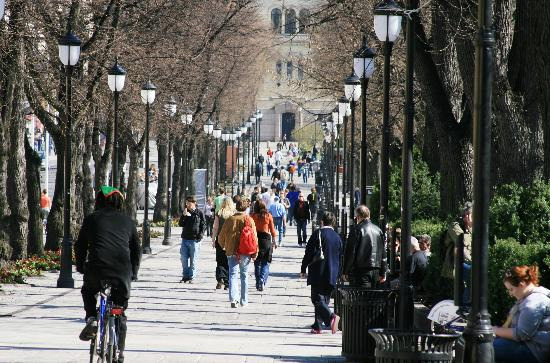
290,24
278,67
276,15
304,20
289,70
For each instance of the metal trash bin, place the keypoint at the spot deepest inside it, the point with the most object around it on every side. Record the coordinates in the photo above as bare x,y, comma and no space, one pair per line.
362,309
400,346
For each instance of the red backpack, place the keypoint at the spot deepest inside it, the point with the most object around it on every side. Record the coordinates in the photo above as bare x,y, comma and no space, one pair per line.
247,242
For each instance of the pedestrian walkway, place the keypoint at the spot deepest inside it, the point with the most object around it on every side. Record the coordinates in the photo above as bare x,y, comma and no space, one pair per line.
170,321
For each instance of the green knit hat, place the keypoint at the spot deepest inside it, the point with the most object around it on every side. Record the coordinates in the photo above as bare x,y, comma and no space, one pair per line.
108,190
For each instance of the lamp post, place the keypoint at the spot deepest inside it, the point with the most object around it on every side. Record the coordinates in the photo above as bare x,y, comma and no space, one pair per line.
337,121
478,333
170,108
237,132
244,130
186,120
148,92
259,116
225,139
363,65
387,26
232,137
208,128
352,90
116,78
255,140
343,111
69,54
217,133
249,154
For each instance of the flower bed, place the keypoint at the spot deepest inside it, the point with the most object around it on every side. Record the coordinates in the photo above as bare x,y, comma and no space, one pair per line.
14,272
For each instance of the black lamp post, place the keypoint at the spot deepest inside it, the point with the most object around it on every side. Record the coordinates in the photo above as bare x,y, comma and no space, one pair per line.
225,139
353,92
249,153
343,111
363,65
244,130
238,132
148,92
259,117
116,78
337,120
387,25
186,120
69,54
208,128
170,108
217,133
232,137
478,333
254,141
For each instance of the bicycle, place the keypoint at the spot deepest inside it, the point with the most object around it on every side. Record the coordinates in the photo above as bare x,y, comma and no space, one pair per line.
105,345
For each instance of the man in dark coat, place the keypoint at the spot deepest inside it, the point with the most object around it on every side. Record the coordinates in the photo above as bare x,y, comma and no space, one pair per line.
322,260
194,224
302,215
107,248
365,261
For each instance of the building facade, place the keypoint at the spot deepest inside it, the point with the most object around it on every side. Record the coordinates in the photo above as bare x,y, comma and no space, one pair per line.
283,97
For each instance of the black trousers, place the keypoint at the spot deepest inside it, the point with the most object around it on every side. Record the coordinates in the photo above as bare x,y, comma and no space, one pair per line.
90,290
301,225
209,225
364,278
222,266
320,297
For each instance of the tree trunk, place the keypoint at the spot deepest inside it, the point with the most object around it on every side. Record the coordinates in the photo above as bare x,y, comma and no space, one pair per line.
88,195
136,155
121,162
35,243
54,226
159,213
102,158
177,148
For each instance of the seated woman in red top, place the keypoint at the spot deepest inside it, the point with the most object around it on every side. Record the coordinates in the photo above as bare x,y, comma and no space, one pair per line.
266,242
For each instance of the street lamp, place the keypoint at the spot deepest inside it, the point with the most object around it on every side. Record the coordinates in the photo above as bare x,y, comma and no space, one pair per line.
116,78
170,109
255,133
363,65
69,54
208,128
217,133
232,137
186,119
344,110
225,139
148,93
352,90
238,133
244,131
259,116
336,120
248,124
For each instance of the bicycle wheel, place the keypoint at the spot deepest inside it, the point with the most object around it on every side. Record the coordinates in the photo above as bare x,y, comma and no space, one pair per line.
104,342
112,337
93,347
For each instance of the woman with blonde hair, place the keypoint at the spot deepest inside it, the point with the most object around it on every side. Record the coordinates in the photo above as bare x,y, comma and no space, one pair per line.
227,209
525,336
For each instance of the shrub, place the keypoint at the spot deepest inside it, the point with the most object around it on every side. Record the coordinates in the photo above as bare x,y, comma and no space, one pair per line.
505,220
16,271
535,213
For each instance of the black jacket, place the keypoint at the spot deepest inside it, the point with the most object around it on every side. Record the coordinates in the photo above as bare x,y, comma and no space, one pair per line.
108,246
193,225
365,249
301,212
323,274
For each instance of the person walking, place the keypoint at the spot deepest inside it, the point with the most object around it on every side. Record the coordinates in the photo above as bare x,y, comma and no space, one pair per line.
219,199
222,267
313,200
230,240
322,262
194,224
284,140
302,216
278,212
258,170
45,204
265,229
278,158
293,198
209,216
365,262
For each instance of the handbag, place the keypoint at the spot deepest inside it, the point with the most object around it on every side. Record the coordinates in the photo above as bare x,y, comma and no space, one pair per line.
319,256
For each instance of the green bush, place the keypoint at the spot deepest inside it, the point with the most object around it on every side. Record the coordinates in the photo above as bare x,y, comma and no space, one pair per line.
535,213
505,220
505,254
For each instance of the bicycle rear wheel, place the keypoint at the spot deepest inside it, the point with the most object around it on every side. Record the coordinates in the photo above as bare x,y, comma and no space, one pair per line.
93,347
104,342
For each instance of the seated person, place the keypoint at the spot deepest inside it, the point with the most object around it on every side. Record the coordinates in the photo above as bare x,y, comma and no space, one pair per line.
417,264
525,336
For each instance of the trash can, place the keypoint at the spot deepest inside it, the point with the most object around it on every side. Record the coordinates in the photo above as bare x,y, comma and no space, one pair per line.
400,346
362,309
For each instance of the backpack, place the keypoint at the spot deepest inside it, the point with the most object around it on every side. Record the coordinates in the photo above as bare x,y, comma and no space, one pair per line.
247,242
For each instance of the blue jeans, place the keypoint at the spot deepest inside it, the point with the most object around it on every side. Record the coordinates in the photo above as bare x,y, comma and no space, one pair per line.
302,231
238,267
304,176
466,298
509,351
278,221
189,254
261,271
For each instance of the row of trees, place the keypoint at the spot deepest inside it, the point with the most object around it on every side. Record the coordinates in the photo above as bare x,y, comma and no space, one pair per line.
444,78
205,54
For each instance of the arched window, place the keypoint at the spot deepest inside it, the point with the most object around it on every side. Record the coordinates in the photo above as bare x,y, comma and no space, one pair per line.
290,24
276,15
289,70
278,67
304,20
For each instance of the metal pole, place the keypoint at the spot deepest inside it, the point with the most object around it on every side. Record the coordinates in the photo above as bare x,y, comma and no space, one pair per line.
207,165
146,243
244,162
259,121
232,168
115,176
406,311
216,169
385,157
478,333
352,166
338,220
168,223
364,150
344,181
248,156
66,273
238,173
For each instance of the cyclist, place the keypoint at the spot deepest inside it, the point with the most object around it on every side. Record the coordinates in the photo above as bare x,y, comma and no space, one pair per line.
107,249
